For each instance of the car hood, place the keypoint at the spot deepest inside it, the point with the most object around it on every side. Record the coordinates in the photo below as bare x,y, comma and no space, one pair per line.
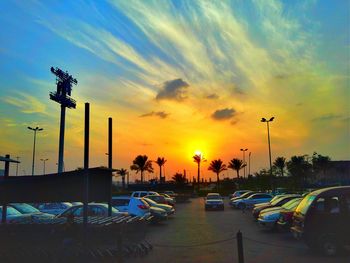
165,207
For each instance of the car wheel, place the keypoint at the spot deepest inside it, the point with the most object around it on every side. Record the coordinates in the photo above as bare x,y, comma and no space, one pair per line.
241,206
328,245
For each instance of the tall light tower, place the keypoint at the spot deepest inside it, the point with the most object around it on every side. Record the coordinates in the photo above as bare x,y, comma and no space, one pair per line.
244,150
268,140
44,161
64,83
35,130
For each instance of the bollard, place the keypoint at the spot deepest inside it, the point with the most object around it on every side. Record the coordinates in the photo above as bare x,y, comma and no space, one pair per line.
240,247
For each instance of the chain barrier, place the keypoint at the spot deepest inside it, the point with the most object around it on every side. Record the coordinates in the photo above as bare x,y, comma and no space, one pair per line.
268,244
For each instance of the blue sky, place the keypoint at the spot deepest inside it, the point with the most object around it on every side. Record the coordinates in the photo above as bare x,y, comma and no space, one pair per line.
246,59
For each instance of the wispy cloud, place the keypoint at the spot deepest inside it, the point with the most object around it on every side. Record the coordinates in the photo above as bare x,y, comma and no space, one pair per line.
160,114
212,96
26,103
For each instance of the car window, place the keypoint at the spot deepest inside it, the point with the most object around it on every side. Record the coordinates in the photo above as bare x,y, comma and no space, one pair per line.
12,212
78,211
332,205
25,208
120,202
96,211
143,194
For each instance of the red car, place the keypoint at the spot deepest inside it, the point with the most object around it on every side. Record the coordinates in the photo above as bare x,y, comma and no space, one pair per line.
286,219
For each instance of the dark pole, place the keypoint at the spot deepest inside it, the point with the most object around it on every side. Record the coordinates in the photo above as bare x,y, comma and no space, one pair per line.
268,136
61,142
198,175
249,163
6,175
34,152
240,247
86,162
110,136
17,158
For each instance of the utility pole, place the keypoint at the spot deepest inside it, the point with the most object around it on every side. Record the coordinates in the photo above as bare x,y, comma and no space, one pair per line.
244,169
250,153
268,140
44,161
64,83
17,158
35,130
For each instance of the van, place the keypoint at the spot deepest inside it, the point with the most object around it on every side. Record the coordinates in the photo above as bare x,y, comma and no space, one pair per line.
322,219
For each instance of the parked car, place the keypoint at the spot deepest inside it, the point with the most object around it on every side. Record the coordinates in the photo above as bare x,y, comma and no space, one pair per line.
94,209
322,219
214,201
269,216
157,198
172,194
13,215
143,193
158,214
133,205
276,201
168,208
170,201
54,208
245,195
26,209
251,200
238,193
285,220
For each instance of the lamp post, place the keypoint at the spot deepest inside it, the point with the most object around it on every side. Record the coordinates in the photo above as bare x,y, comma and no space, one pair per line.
17,165
44,161
250,153
244,150
268,140
35,130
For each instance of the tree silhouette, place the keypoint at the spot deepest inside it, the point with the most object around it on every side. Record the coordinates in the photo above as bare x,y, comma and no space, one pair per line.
236,164
160,161
280,163
198,158
122,172
217,167
179,178
141,164
320,163
299,168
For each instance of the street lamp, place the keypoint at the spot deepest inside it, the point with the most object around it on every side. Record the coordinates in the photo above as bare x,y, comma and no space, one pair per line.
244,150
250,153
17,165
44,161
268,139
36,129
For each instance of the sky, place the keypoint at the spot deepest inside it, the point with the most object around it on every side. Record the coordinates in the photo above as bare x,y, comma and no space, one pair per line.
176,77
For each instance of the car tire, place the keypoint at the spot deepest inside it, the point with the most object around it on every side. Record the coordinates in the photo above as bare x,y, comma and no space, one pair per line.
241,206
328,245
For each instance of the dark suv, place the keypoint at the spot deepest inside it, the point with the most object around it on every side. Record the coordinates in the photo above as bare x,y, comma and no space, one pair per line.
322,219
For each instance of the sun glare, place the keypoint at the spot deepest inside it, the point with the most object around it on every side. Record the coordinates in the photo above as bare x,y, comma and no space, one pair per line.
197,152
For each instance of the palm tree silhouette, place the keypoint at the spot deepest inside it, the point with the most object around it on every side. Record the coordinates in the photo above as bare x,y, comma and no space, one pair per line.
198,158
122,172
280,163
160,161
217,167
236,164
141,164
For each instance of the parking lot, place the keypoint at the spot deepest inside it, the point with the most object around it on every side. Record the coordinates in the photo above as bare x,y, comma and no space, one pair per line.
194,235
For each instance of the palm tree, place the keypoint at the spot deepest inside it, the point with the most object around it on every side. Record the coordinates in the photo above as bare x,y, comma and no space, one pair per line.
179,179
236,164
141,164
299,168
217,167
280,163
160,161
122,172
198,158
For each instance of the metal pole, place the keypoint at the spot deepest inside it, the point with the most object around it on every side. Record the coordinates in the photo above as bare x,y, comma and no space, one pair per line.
61,142
86,162
44,166
244,163
17,166
268,137
249,164
240,247
34,152
4,205
110,140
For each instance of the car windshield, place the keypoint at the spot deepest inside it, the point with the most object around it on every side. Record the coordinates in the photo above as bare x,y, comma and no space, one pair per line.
11,211
149,201
25,208
215,196
275,200
305,204
247,194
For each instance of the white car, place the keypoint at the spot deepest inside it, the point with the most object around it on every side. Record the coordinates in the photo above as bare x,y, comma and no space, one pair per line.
54,208
94,209
214,201
252,200
133,205
143,193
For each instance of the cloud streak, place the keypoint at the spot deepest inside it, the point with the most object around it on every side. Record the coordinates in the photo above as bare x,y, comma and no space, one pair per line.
160,114
223,114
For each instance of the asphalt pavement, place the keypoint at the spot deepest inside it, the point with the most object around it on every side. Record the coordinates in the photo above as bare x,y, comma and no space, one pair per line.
194,235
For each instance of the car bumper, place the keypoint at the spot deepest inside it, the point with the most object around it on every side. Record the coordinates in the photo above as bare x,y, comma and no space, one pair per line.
214,206
266,223
296,232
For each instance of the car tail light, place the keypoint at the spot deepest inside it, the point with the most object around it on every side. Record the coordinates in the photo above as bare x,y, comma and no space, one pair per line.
142,206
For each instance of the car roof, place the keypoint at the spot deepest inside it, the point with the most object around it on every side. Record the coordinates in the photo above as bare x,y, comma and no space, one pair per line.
121,197
331,190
